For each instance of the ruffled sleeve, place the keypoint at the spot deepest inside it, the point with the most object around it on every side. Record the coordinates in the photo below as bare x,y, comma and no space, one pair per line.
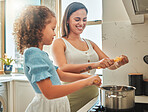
37,65
56,67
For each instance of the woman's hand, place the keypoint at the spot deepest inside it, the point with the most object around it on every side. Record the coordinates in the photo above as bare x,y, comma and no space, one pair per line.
94,80
104,63
124,60
119,61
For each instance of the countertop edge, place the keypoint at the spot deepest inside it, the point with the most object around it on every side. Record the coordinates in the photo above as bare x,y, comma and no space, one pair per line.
86,107
10,77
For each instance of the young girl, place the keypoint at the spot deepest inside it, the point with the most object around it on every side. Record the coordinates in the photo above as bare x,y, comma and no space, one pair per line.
33,29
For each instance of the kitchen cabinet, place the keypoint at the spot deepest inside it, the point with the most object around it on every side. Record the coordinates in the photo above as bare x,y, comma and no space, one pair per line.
20,92
23,94
20,95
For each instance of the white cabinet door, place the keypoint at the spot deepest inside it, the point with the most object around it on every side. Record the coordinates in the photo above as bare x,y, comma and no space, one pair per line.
23,95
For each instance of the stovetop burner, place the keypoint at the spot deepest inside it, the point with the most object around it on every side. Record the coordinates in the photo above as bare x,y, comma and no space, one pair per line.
139,107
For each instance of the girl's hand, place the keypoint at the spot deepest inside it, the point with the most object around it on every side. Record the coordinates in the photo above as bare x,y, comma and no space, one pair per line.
94,80
104,63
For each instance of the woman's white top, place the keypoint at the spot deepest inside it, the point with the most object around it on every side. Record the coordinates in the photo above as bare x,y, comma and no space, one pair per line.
76,56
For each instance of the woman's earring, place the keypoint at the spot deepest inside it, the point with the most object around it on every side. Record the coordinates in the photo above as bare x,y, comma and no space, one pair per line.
67,24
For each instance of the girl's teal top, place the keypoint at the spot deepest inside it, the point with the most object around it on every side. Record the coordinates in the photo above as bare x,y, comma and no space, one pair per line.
38,66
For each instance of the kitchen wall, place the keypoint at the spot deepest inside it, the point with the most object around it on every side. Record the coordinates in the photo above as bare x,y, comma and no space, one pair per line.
120,37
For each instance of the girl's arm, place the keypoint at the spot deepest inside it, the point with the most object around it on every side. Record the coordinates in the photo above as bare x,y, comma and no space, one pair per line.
70,77
58,49
55,91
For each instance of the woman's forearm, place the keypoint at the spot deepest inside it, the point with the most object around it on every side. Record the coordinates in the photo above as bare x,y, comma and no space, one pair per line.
77,68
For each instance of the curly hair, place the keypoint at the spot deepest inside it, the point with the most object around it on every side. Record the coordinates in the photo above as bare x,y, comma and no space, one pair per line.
29,25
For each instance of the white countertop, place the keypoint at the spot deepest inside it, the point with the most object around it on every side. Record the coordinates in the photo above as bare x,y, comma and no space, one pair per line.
141,99
10,77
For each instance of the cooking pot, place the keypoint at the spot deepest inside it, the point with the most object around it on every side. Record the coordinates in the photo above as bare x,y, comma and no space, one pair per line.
118,97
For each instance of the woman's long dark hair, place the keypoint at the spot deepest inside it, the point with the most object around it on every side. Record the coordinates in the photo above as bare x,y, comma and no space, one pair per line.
69,10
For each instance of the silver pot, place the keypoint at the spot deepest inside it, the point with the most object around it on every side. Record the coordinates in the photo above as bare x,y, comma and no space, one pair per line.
118,97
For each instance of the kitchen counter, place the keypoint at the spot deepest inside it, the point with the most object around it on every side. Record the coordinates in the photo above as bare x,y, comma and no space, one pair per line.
88,105
18,90
11,77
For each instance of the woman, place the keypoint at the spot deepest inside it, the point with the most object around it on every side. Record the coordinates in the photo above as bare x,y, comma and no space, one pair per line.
78,55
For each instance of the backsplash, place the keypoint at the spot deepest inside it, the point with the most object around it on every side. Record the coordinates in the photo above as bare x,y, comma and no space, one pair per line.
131,40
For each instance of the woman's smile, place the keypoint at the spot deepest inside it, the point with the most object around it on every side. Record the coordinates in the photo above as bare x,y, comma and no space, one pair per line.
79,28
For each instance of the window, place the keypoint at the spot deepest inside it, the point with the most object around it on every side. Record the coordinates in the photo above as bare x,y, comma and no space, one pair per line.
2,5
93,30
13,8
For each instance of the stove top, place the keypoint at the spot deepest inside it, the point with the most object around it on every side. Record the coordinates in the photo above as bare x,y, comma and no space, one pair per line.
139,107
